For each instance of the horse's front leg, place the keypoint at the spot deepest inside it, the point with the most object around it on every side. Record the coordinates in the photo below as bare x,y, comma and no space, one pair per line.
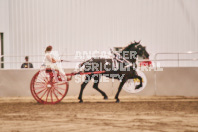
87,79
119,89
95,86
140,85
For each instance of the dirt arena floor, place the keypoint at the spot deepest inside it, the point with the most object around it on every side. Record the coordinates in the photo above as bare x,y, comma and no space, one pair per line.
23,114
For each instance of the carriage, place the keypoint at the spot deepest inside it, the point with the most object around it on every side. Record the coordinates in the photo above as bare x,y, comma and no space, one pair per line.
47,86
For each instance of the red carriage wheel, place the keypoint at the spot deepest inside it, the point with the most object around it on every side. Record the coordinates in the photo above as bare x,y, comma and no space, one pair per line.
47,87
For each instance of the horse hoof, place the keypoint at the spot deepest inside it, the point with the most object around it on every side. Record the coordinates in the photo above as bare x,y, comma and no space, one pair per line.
137,87
117,101
81,101
105,98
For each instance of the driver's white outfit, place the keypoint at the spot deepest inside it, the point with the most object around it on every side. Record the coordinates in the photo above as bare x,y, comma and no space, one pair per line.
49,64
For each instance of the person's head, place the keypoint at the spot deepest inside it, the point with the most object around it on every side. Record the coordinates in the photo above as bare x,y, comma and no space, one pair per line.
48,48
26,58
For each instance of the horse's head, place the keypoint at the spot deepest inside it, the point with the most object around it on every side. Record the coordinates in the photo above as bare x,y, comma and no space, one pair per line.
141,50
138,49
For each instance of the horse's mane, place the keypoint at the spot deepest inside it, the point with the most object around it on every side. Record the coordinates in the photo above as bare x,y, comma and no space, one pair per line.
126,48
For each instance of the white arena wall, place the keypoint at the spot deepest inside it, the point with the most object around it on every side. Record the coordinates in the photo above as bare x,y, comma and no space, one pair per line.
71,25
169,82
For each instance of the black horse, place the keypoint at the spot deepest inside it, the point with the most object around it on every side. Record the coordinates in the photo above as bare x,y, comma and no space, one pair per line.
123,72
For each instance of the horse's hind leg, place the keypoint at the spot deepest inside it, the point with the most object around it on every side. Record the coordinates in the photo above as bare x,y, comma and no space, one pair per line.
95,86
119,89
87,79
140,85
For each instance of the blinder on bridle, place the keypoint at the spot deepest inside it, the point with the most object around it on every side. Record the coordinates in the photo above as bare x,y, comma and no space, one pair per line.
141,50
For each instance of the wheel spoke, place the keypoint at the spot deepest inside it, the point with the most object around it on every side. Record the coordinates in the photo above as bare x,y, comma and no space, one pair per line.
36,88
44,93
45,79
40,84
51,95
55,95
47,94
40,91
43,74
58,83
59,88
59,92
41,80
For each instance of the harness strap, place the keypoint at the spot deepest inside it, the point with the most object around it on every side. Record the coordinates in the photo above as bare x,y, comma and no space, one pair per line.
117,57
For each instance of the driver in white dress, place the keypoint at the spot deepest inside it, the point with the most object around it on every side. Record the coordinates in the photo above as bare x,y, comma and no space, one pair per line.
50,61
